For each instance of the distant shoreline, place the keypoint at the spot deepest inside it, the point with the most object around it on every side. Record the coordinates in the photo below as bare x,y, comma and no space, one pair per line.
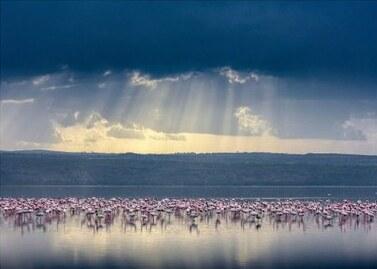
184,186
42,151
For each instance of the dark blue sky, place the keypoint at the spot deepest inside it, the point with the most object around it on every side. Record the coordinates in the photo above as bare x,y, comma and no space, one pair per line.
333,38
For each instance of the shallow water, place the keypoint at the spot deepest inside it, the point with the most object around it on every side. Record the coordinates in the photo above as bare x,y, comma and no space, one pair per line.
306,243
266,192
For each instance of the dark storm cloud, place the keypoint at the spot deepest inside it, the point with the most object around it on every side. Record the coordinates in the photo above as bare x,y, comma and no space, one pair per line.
336,39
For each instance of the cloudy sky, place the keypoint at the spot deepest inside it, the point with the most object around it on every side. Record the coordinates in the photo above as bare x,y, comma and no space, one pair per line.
189,77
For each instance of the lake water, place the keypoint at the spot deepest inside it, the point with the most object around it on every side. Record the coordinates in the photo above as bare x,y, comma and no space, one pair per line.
266,192
306,243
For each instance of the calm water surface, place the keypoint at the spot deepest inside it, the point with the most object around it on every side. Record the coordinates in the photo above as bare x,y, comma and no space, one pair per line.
70,243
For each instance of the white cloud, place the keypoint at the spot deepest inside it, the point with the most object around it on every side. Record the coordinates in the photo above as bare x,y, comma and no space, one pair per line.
120,131
138,79
57,87
234,76
107,73
144,80
17,101
251,124
41,79
97,132
95,119
356,128
351,132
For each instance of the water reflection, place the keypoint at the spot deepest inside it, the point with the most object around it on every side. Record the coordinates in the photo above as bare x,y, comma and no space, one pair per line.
186,233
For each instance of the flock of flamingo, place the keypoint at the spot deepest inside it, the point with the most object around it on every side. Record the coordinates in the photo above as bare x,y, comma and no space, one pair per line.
134,213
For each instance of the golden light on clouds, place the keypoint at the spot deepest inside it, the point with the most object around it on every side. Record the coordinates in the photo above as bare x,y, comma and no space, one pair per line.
99,135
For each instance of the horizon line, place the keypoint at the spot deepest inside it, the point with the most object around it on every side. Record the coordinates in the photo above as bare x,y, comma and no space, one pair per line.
179,153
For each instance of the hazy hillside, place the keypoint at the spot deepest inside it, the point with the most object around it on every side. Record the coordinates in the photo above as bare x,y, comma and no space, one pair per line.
43,167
